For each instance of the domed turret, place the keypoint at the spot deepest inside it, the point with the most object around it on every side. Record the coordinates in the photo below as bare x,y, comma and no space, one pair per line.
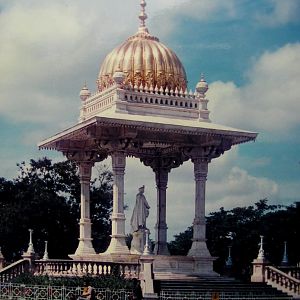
202,86
84,93
144,61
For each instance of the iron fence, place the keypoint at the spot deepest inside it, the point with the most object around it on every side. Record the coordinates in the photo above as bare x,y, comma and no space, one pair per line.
11,291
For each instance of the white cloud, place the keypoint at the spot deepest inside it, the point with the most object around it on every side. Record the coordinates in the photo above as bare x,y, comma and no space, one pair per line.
282,12
48,49
208,10
269,102
166,19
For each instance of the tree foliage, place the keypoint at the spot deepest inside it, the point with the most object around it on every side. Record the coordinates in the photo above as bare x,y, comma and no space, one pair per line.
241,228
45,196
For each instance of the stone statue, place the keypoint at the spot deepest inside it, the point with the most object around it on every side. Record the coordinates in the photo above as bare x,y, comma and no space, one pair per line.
140,211
138,223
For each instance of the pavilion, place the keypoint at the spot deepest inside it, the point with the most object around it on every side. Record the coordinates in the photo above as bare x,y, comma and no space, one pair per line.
143,109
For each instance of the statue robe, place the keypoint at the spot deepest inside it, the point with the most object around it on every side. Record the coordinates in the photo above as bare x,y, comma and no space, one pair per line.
140,213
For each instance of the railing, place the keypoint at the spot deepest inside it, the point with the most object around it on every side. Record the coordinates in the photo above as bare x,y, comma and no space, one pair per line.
292,271
282,281
62,268
43,292
13,270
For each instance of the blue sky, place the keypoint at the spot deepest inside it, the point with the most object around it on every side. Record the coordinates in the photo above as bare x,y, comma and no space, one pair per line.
248,50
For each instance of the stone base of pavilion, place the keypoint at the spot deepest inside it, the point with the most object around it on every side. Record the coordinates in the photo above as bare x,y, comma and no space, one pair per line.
164,266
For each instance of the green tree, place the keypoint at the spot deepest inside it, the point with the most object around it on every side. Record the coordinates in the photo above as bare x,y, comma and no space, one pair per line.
46,197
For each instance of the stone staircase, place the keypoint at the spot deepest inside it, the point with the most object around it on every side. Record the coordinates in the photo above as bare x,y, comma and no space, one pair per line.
179,286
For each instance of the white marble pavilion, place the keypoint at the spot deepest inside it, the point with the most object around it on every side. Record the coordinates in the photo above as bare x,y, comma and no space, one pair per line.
142,109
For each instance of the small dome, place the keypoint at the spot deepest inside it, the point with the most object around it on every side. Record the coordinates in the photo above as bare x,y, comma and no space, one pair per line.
143,60
84,93
202,86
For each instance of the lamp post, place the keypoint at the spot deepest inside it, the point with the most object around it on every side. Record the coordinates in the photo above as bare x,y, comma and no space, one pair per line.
229,258
30,249
285,260
261,252
46,256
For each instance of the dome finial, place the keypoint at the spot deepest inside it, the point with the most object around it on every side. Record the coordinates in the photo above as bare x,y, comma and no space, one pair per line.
143,16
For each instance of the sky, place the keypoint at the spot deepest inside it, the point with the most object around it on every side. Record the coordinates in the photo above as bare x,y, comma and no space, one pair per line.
248,50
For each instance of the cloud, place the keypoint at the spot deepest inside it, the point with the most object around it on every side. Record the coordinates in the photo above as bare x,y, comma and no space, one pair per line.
269,102
282,13
167,19
48,49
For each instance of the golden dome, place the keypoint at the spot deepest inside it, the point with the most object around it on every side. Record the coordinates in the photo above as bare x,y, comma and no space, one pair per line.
143,60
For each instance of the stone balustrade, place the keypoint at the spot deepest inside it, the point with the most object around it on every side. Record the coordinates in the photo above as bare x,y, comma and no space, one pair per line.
282,281
61,268
293,271
14,270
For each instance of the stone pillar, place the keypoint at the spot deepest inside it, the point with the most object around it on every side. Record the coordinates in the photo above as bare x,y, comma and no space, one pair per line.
85,246
147,278
161,177
199,247
260,264
118,243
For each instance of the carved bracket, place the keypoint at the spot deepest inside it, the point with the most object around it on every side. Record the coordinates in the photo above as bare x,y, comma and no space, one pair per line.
166,163
85,156
209,151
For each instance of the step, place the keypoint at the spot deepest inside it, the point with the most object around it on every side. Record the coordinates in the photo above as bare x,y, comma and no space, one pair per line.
227,287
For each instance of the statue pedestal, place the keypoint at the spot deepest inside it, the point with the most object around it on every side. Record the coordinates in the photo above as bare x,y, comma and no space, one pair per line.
138,242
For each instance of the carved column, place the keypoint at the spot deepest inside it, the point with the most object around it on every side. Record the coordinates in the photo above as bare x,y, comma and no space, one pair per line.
161,167
117,243
85,246
199,247
161,178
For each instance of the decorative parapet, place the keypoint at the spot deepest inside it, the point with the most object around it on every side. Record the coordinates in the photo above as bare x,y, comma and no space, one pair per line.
146,101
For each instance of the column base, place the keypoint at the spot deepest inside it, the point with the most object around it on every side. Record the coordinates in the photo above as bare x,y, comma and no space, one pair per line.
85,247
161,248
199,249
117,245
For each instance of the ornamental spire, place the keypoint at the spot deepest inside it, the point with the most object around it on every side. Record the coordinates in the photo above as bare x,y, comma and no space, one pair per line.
143,16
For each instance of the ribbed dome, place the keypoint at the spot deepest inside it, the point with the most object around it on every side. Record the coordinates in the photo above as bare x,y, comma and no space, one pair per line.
143,60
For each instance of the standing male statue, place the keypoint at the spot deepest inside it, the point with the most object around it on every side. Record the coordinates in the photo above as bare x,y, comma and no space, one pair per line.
138,222
140,211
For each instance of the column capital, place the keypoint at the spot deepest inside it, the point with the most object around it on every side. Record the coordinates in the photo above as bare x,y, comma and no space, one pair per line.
161,178
85,170
200,168
118,161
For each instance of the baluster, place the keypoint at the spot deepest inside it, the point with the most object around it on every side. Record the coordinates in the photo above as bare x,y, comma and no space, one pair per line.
90,269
